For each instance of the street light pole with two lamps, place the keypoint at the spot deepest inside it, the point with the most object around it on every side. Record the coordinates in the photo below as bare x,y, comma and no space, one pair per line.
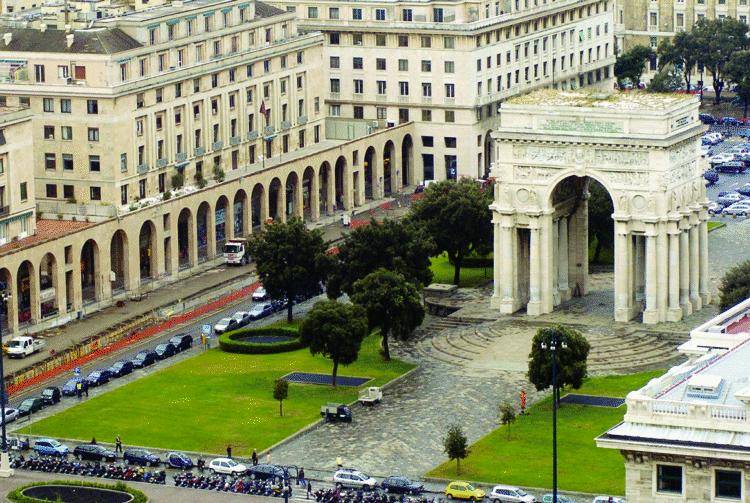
555,344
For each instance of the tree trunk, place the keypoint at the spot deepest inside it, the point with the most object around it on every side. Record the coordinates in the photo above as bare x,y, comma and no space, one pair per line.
289,305
335,370
458,466
716,89
281,410
687,79
386,350
597,250
457,269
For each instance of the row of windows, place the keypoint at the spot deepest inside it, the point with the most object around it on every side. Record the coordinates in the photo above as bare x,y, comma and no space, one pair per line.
66,106
670,479
188,26
68,164
438,14
381,64
66,133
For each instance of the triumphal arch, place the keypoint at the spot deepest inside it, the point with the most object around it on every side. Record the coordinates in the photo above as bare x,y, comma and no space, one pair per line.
645,150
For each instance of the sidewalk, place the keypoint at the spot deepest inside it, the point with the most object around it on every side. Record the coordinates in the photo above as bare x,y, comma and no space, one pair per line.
204,285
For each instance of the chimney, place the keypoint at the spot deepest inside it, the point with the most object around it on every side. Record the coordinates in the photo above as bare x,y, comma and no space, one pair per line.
43,27
7,37
69,39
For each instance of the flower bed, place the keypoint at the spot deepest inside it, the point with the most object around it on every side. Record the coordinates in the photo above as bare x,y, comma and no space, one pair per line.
261,340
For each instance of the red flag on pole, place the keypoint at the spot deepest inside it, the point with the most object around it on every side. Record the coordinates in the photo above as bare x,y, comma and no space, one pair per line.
263,107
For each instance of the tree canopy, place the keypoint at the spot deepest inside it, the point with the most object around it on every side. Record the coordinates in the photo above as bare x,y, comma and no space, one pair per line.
681,52
290,260
571,358
456,445
631,64
457,217
395,245
716,40
280,393
507,415
738,71
735,286
392,303
336,331
601,225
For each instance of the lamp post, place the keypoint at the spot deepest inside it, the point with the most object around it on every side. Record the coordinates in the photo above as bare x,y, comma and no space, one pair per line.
5,469
554,345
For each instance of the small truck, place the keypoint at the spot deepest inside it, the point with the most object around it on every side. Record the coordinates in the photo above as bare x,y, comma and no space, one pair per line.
237,252
21,347
370,396
332,412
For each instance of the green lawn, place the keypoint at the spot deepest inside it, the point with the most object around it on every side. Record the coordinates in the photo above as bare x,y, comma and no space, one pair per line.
526,459
715,225
442,272
216,398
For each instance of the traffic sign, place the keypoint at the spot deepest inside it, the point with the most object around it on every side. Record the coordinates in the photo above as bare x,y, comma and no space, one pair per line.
206,329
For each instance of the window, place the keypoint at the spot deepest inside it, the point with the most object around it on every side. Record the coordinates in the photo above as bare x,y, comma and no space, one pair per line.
94,163
426,89
141,188
79,72
312,12
95,193
69,192
357,63
124,194
403,40
403,65
450,67
51,190
437,15
728,484
50,161
449,42
426,41
359,86
123,163
380,14
380,64
426,65
380,39
65,106
450,116
67,132
63,72
67,162
428,141
382,113
48,104
333,13
23,189
334,38
92,107
357,14
335,110
669,479
381,86
39,73
450,90
356,39
450,142
403,88
335,85
406,15
335,62
49,132
426,115
359,112
93,134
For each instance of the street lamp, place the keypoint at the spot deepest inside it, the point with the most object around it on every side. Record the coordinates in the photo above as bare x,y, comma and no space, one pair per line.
555,343
5,469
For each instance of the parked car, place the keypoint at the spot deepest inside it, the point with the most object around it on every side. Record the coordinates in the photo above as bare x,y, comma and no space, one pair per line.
707,118
51,395
548,498
179,460
11,414
729,198
260,294
259,311
744,190
227,466
401,485
30,406
242,318
164,350
730,121
181,342
69,388
741,209
121,368
715,137
721,158
705,150
607,499
140,457
331,412
711,176
348,477
98,377
94,452
268,472
225,325
463,491
735,167
715,208
509,493
50,447
144,359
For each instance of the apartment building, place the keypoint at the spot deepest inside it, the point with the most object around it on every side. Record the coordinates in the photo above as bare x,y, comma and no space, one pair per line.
448,65
17,208
159,97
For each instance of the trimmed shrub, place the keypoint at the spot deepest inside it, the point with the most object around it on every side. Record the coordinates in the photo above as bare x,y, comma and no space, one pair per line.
232,342
17,496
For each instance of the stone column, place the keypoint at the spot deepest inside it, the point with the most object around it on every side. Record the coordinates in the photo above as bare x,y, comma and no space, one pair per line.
228,222
562,269
695,297
102,282
348,188
548,276
265,202
675,311
331,189
687,307
299,205
497,252
705,288
77,300
61,291
360,188
210,232
622,279
174,246
134,265
662,264
247,216
639,269
554,254
509,268
192,240
534,307
11,306
315,198
651,313
35,304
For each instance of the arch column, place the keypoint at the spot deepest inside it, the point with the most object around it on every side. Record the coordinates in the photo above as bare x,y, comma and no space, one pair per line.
348,187
61,293
705,288
76,277
675,311
229,222
360,188
331,189
687,307
695,297
555,253
34,301
193,239
104,285
134,262
662,259
174,245
315,197
623,285
281,203
299,206
651,313
157,251
534,306
562,268
247,215
395,169
11,305
210,233
265,203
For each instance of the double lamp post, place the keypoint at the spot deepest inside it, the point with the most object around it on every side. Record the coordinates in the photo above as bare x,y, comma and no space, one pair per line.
556,343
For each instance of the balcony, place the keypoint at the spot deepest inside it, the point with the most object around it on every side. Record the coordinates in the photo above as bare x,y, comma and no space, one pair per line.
217,145
268,130
403,99
200,151
142,168
358,97
160,163
302,119
426,99
180,156
335,96
381,98
252,135
235,140
286,125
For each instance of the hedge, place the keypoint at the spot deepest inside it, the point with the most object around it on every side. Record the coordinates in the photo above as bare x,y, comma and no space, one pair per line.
16,496
230,342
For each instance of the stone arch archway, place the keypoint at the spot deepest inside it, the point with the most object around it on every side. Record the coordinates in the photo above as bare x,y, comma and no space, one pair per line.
326,192
276,204
147,251
186,241
222,221
310,203
204,231
340,183
240,214
407,161
90,284
259,205
388,168
118,259
370,167
50,295
27,288
292,196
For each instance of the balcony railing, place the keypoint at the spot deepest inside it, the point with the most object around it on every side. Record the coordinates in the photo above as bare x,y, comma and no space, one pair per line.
200,150
268,130
286,125
234,140
142,168
4,210
217,145
643,409
160,163
180,156
252,135
302,119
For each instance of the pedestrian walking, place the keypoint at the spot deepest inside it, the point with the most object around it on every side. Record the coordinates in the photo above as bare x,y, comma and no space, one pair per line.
255,457
79,390
301,477
229,451
309,489
86,390
287,490
118,444
93,440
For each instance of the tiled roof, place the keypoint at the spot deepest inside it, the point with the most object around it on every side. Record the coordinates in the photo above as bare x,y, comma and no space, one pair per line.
45,230
91,41
265,10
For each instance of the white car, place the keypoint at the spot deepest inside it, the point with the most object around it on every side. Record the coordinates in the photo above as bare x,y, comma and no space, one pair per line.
226,466
705,150
241,317
347,477
608,499
11,415
225,324
509,493
721,158
260,294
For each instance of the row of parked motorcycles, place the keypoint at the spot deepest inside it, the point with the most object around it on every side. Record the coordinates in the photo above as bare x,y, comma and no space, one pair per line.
113,471
377,496
233,484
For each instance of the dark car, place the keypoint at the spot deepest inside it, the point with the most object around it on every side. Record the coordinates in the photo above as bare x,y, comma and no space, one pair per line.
181,342
51,395
730,121
731,167
93,452
144,359
30,406
711,176
744,190
164,350
268,472
98,377
179,460
707,118
140,457
121,368
401,485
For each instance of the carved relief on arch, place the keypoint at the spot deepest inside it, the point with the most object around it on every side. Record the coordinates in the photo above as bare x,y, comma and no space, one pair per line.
526,198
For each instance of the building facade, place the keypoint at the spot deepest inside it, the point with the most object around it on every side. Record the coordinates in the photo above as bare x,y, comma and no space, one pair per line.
17,201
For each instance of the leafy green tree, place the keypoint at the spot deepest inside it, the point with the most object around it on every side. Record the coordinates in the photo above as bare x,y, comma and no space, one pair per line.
457,217
601,225
456,445
281,393
631,64
666,80
716,41
290,260
392,303
738,71
507,415
336,331
395,245
681,52
571,358
735,286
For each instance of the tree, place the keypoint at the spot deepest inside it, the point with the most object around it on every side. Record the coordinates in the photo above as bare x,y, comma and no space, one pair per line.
392,304
735,286
571,358
601,225
457,217
738,71
336,331
401,247
666,80
630,64
281,393
456,445
681,52
507,415
290,260
716,41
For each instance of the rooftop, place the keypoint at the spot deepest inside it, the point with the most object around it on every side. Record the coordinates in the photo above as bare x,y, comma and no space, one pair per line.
262,10
614,100
89,41
46,230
